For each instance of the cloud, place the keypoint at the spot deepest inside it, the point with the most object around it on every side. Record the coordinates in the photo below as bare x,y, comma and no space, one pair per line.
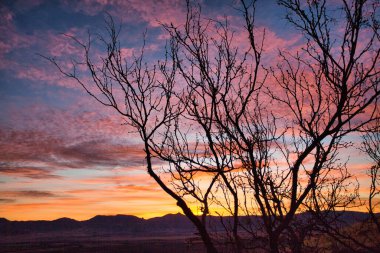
18,51
86,203
10,39
37,154
23,6
6,201
133,188
123,179
101,153
28,172
151,11
28,194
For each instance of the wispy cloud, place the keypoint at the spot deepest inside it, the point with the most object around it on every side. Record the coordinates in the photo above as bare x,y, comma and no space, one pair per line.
28,194
151,12
6,201
45,153
29,172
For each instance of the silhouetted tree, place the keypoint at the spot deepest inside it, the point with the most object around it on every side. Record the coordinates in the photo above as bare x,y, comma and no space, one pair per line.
371,146
241,138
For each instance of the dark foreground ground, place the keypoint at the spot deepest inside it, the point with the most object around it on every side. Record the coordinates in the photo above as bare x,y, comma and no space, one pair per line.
169,234
103,245
79,243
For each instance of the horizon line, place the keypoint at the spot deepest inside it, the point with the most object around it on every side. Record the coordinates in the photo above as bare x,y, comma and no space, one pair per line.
178,213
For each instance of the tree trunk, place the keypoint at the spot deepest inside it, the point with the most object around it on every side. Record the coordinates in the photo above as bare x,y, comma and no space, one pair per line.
200,227
180,202
273,244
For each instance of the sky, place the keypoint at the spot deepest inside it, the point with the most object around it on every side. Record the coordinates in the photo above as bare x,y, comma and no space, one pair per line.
61,153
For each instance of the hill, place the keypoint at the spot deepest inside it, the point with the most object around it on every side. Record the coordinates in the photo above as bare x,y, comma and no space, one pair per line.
170,224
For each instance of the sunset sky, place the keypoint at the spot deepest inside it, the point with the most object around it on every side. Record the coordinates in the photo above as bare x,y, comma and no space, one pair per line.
61,153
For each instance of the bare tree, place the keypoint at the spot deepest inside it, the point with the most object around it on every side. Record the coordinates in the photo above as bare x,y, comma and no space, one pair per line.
146,97
325,89
371,146
328,86
208,116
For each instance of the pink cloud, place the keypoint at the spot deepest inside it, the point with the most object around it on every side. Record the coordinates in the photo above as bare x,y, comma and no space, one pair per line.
29,172
11,39
152,12
57,139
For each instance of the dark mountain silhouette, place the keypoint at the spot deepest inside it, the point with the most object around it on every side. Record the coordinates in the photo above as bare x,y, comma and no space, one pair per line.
170,222
111,224
101,224
132,225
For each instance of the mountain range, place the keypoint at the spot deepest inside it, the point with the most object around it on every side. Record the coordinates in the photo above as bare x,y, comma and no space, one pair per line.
132,225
